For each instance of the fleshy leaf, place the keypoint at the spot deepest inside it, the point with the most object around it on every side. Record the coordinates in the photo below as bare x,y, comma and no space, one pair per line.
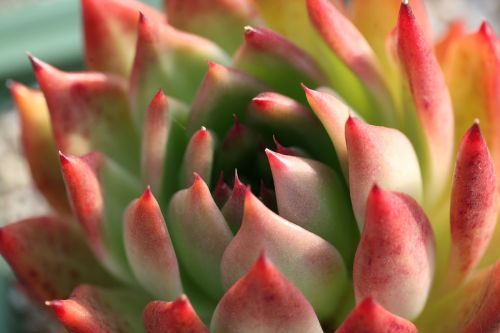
345,40
177,141
170,59
60,261
110,31
273,113
39,146
474,205
394,261
264,301
90,309
99,191
379,155
312,264
370,317
200,235
154,140
294,24
85,108
221,192
273,59
219,20
313,196
376,22
455,31
433,139
173,317
471,65
474,307
233,208
198,158
223,93
149,248
333,114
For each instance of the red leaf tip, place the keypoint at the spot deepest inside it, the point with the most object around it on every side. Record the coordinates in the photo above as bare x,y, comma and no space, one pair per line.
376,190
249,31
147,195
486,30
142,18
474,132
262,263
159,94
36,63
352,121
57,306
65,160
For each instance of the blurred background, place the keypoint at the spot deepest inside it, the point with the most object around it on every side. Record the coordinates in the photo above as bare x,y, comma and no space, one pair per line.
51,30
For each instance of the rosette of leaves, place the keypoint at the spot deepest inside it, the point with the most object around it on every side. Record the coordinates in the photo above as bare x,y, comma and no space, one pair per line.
200,187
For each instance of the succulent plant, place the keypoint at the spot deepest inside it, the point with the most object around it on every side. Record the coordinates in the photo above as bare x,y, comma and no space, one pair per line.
199,187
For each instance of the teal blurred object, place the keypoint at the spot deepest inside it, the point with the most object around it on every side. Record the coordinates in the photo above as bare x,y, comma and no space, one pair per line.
49,29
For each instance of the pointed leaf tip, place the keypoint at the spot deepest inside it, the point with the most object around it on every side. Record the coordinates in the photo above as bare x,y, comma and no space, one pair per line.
36,63
172,317
274,303
233,208
57,306
369,316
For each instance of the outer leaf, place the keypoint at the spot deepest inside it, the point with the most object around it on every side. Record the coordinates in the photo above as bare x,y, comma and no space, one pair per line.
394,262
200,235
198,158
84,108
49,257
223,93
370,317
311,195
471,63
271,58
333,114
295,251
154,140
91,309
475,307
431,99
379,155
375,22
293,23
345,40
39,146
264,301
474,205
99,192
219,20
149,248
170,59
110,31
172,317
